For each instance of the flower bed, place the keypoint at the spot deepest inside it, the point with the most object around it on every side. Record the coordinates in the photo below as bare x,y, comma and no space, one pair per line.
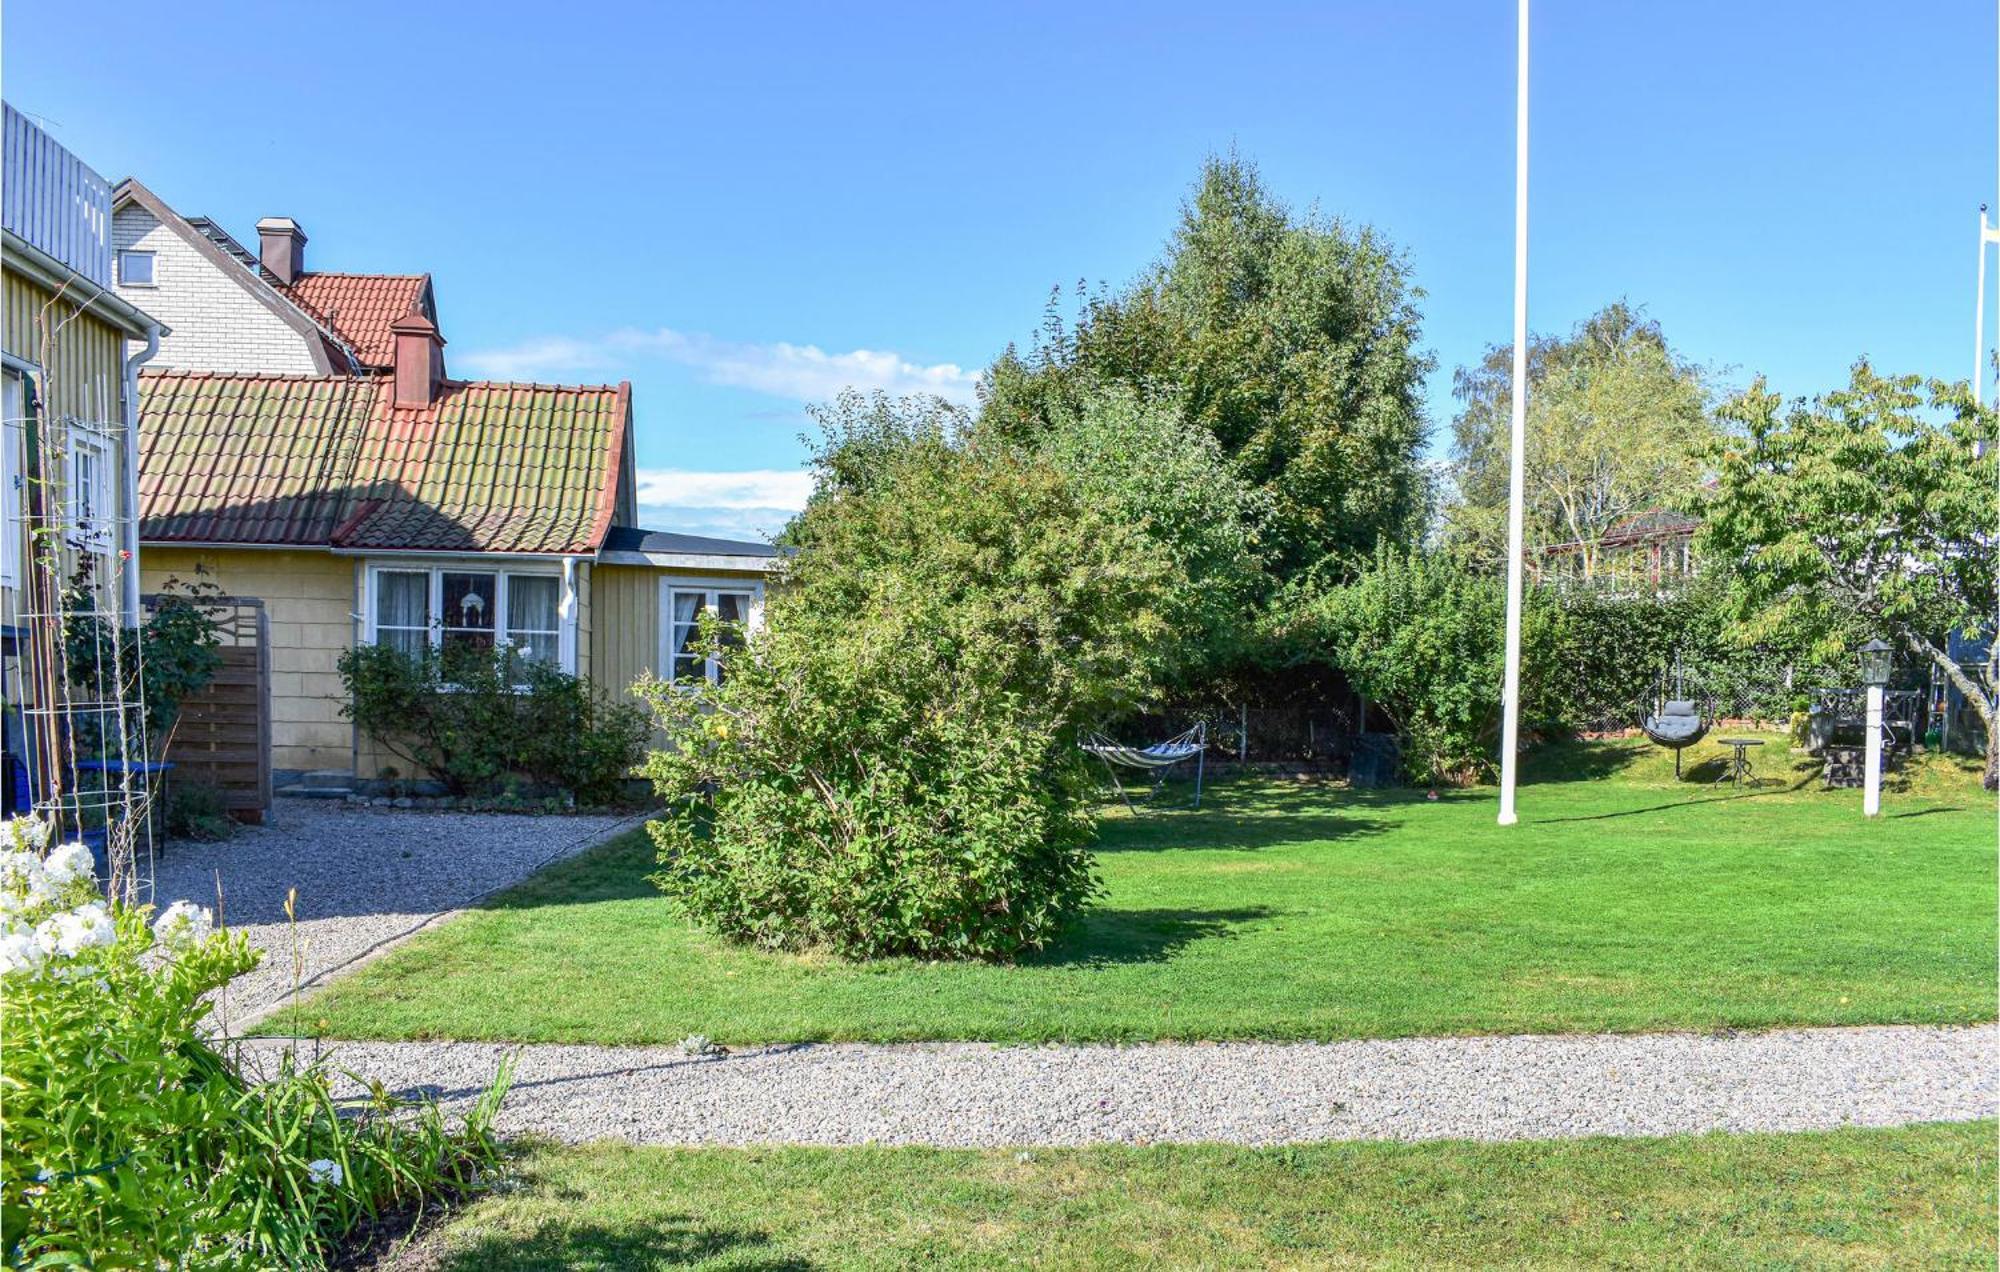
131,1139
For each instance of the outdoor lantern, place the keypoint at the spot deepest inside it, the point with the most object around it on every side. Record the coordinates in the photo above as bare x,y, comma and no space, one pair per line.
1876,656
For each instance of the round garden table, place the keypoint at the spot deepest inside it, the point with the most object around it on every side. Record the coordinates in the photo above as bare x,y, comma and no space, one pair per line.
1739,761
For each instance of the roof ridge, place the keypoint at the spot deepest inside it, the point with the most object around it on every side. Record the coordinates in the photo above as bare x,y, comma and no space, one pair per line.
355,273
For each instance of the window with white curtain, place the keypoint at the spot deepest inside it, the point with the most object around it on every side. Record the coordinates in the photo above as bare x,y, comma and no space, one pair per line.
733,608
449,608
403,609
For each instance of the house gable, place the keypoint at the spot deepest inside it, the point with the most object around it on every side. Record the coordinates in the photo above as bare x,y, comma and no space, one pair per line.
223,317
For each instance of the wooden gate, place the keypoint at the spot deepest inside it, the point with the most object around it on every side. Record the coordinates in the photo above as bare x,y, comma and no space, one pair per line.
222,736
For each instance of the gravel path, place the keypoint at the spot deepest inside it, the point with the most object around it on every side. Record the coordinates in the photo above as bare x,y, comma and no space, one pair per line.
364,876
970,1094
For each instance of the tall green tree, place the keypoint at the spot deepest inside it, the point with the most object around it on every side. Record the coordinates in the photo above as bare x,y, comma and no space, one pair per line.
1138,462
1290,338
1864,510
1617,424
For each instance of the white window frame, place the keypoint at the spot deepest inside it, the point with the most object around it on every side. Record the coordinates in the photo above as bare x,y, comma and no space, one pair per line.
13,449
92,525
500,571
152,270
709,587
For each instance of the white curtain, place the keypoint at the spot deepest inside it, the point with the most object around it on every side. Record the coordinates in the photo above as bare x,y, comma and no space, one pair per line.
687,612
532,624
403,609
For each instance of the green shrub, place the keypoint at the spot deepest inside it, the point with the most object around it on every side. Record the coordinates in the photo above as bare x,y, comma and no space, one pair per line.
196,810
890,767
181,642
1424,638
480,720
1615,648
131,1141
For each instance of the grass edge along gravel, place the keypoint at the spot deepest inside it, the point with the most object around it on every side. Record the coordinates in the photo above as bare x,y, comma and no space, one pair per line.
1914,1196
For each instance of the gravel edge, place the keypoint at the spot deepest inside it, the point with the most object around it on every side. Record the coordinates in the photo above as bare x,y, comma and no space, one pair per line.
981,1095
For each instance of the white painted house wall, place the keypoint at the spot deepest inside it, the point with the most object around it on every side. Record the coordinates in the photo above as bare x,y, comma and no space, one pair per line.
217,324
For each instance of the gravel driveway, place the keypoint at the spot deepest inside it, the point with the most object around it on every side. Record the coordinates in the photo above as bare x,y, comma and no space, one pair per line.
365,876
969,1094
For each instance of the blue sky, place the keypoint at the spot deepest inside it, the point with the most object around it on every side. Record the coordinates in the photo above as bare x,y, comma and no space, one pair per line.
741,208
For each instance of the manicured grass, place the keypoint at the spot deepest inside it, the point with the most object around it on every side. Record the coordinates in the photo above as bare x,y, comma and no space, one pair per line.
1917,1197
1625,901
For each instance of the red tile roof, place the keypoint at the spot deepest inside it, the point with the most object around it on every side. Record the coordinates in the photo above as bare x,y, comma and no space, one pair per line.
359,308
332,462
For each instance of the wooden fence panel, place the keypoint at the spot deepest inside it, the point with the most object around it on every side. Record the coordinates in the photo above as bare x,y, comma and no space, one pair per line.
222,735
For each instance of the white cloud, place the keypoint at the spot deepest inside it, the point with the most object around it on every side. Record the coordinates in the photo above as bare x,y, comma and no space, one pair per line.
751,504
799,373
785,488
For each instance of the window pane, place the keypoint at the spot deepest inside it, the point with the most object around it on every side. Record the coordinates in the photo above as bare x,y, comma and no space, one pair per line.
457,639
531,603
540,646
402,599
409,640
468,602
685,638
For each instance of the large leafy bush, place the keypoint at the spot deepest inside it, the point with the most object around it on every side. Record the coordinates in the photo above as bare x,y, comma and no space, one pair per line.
1423,637
477,718
890,767
130,1140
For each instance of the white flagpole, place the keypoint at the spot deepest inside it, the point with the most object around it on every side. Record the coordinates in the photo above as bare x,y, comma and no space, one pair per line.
1979,317
1510,701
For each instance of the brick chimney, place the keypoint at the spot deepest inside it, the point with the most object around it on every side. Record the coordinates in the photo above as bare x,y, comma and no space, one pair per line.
419,359
281,246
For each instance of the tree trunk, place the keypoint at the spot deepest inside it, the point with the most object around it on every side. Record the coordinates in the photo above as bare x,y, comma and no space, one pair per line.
1973,694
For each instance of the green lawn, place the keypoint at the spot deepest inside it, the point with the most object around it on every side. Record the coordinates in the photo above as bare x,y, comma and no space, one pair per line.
1916,1197
1625,901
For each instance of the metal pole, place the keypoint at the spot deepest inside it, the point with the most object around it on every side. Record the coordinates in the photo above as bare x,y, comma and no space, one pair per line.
1871,794
1979,318
1510,699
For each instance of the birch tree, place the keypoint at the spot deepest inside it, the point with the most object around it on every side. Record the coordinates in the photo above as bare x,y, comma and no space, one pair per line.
1617,425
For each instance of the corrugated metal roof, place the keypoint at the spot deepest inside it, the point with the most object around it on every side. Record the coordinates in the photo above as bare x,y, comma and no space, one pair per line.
360,307
333,462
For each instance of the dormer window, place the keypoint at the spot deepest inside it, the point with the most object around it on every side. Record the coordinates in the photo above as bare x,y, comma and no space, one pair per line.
135,269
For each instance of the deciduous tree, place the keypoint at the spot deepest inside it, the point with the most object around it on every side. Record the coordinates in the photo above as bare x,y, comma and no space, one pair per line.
1865,504
1617,425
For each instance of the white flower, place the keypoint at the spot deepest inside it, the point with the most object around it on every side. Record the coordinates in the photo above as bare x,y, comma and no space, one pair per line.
324,1172
31,833
74,931
182,923
23,881
19,953
68,864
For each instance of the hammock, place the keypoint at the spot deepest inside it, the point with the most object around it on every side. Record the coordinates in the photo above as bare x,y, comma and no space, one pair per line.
1155,759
